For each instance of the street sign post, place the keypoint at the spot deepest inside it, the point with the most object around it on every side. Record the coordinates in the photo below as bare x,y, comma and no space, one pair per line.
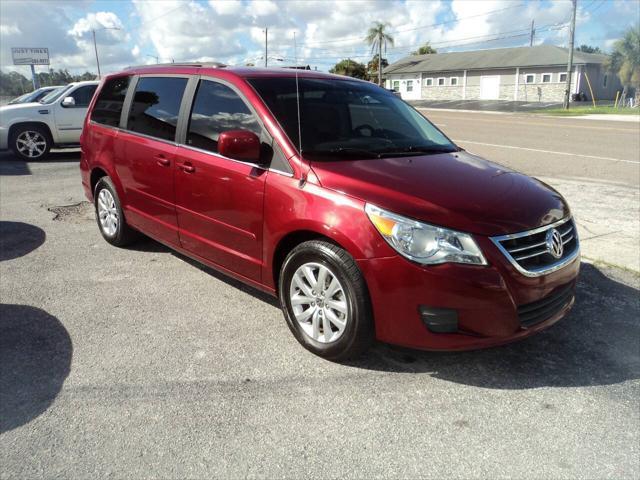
31,57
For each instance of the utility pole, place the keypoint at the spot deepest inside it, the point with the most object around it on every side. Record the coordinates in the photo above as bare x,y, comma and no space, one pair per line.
266,43
572,36
533,33
95,47
380,57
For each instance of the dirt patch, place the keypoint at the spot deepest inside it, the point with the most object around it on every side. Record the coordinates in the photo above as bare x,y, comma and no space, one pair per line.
75,213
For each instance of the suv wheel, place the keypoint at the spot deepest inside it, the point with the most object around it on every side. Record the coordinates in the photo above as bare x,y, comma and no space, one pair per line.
31,143
109,214
325,301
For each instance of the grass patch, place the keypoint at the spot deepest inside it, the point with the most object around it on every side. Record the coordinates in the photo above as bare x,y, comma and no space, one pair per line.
573,111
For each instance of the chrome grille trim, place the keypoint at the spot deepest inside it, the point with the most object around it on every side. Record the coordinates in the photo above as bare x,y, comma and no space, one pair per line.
546,269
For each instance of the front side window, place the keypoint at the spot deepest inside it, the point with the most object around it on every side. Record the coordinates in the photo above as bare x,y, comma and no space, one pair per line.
216,109
343,119
110,100
409,85
155,107
83,95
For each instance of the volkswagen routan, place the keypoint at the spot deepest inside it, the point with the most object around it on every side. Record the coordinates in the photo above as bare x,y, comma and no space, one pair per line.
364,219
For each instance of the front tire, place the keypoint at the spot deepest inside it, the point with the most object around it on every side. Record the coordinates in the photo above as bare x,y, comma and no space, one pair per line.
109,215
325,301
31,142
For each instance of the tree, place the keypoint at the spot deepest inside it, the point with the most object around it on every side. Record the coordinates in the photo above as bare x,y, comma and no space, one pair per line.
625,60
350,68
588,49
13,83
377,37
424,50
373,67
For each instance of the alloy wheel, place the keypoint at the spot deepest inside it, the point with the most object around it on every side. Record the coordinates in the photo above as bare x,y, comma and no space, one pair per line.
319,302
107,212
31,144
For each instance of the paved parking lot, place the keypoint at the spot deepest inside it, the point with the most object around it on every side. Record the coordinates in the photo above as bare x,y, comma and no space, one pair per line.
139,363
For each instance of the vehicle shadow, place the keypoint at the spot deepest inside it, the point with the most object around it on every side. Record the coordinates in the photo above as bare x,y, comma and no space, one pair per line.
18,239
12,166
598,343
35,360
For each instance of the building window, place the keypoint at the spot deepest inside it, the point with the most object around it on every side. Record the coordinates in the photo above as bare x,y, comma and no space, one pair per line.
396,85
530,78
546,78
440,81
453,81
604,81
429,82
562,78
409,85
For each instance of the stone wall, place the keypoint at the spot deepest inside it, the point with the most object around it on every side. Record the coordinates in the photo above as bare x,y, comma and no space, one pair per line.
445,92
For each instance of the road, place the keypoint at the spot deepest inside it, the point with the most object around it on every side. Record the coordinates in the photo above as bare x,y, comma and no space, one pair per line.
138,363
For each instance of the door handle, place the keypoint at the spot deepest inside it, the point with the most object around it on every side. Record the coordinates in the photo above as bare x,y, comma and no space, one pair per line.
187,167
162,160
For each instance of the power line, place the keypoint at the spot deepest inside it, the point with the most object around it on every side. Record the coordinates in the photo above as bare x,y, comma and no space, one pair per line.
348,39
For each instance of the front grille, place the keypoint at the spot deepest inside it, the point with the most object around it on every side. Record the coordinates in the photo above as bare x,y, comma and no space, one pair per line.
541,310
529,253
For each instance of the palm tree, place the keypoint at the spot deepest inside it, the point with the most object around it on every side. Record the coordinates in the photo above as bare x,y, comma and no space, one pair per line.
377,37
625,60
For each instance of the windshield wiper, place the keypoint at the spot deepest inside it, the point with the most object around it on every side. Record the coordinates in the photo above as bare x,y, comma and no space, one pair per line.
417,150
344,151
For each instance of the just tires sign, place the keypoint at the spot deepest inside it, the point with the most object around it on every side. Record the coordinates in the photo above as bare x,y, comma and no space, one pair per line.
30,56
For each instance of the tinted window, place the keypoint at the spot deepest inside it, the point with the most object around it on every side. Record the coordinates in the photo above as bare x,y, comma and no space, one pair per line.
217,109
108,106
155,107
83,95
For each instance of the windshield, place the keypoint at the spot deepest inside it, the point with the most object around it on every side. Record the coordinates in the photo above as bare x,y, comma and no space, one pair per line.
56,94
349,119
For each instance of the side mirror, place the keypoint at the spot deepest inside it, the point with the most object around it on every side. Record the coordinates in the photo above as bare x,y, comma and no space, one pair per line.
239,145
69,102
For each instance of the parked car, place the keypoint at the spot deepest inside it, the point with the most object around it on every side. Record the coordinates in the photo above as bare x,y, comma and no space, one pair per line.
34,96
337,197
31,129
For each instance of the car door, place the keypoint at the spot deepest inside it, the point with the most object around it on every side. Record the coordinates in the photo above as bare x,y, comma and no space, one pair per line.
145,153
219,201
69,119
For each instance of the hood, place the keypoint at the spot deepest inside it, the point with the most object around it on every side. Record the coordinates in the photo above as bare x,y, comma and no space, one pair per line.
456,190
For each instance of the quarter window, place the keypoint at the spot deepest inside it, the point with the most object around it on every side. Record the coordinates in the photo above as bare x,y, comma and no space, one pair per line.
110,100
155,107
83,95
530,78
216,109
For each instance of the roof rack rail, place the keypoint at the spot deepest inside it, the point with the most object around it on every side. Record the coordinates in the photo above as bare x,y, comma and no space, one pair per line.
180,64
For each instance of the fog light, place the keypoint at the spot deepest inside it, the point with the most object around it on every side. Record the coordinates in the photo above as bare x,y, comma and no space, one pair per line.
439,320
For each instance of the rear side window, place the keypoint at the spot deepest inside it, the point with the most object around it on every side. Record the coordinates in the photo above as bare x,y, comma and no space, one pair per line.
155,107
110,100
216,109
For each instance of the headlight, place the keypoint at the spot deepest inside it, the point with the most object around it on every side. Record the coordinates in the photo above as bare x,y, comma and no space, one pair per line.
424,243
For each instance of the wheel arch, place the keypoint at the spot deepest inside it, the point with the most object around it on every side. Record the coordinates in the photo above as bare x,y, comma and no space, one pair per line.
96,174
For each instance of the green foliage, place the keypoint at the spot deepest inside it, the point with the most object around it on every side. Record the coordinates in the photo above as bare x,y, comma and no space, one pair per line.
350,68
378,38
425,50
372,65
13,84
588,49
625,58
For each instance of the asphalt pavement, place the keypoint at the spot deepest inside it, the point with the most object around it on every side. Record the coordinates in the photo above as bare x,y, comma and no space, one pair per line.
139,363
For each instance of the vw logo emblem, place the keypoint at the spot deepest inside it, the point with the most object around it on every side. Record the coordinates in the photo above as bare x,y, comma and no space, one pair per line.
553,242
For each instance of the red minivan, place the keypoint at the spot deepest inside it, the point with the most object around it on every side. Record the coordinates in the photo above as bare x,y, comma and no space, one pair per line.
334,195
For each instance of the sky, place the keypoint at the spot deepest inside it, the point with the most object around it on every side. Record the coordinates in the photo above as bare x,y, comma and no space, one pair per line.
132,32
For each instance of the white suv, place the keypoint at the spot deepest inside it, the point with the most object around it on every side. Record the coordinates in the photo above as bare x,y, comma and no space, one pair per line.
31,129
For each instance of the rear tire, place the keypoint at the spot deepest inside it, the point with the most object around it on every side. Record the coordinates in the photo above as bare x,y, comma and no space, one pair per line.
30,142
109,215
325,301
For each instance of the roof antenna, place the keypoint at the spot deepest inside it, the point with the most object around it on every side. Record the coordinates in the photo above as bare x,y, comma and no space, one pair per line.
303,179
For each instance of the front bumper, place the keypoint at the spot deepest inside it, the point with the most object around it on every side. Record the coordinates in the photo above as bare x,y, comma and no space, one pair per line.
486,300
4,138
